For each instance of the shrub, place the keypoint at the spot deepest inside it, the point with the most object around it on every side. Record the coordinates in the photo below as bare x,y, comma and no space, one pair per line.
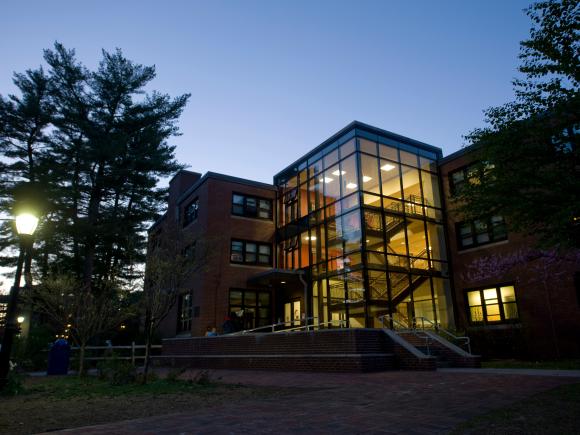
15,382
116,371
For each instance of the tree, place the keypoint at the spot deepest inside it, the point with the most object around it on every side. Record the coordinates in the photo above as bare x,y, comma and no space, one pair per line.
170,269
529,154
97,144
82,315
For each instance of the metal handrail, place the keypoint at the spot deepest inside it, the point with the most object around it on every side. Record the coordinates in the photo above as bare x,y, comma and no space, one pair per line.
406,328
341,322
438,328
274,325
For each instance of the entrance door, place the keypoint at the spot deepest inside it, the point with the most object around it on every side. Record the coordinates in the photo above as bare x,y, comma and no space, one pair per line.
292,313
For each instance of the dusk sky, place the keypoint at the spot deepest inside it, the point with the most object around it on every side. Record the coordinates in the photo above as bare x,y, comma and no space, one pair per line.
270,80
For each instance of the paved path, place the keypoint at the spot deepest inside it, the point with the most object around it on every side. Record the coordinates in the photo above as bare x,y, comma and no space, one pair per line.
387,402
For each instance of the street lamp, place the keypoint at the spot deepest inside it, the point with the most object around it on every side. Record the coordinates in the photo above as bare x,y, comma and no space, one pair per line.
26,224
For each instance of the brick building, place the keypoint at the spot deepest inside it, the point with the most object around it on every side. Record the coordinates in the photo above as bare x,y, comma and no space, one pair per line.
356,233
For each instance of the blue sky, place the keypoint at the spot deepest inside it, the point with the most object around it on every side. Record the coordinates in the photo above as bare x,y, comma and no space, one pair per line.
270,80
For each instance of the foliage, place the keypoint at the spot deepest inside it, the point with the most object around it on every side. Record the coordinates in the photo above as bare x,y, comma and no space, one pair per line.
116,371
93,144
529,155
83,313
31,352
14,384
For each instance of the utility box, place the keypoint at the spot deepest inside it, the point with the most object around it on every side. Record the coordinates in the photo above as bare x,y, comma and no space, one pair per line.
58,358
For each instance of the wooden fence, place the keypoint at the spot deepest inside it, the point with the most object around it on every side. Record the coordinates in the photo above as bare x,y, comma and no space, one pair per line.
133,352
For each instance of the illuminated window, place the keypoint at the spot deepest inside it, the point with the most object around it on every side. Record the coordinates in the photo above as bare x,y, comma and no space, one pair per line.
492,305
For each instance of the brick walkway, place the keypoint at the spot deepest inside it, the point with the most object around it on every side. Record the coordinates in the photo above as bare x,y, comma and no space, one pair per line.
386,402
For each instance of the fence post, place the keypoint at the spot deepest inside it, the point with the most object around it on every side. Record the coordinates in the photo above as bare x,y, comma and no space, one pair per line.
133,353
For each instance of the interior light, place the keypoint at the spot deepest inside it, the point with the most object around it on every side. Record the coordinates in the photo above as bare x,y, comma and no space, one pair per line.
387,167
310,238
282,282
351,186
26,224
20,319
337,173
366,178
326,180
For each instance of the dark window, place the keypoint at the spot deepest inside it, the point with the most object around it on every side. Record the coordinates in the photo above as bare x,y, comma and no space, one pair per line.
471,174
251,308
251,206
190,212
196,311
251,252
492,305
480,232
184,311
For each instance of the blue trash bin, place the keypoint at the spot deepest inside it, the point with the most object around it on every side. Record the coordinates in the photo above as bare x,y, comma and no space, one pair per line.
58,358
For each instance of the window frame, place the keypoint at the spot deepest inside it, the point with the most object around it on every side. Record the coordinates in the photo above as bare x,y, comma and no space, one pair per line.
188,217
500,303
184,322
252,214
491,232
256,253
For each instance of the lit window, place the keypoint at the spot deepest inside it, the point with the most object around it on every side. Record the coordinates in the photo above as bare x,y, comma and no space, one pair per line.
492,305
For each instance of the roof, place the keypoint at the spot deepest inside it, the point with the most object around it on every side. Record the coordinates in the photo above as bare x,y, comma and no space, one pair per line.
366,127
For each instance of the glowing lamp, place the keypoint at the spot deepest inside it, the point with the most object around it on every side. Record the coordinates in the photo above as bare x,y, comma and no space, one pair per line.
26,224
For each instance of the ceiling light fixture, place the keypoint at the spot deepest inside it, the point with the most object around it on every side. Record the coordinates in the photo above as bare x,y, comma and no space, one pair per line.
387,167
366,178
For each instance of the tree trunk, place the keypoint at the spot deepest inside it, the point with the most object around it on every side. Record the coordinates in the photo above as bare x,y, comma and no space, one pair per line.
148,334
82,359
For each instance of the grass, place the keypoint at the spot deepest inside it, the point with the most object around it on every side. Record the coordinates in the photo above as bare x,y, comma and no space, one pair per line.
555,411
72,386
56,403
564,364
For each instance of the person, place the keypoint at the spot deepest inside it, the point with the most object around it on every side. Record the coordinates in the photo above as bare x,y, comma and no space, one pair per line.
229,326
211,332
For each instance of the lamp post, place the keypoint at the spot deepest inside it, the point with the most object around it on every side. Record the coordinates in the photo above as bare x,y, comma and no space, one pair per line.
26,224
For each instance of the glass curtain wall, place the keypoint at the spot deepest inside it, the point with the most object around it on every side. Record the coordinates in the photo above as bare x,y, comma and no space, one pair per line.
363,217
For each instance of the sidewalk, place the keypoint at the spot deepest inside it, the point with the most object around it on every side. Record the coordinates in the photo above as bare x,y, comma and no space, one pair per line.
396,402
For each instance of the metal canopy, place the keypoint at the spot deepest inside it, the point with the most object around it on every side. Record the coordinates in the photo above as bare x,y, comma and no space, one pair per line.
276,277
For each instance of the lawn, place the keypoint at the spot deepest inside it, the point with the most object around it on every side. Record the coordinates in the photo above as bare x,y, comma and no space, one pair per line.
555,412
55,403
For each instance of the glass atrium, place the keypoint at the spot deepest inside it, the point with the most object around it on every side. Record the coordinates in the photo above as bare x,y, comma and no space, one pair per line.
362,214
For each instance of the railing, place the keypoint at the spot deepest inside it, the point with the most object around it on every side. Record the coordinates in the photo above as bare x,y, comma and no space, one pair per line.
273,326
432,325
108,352
406,328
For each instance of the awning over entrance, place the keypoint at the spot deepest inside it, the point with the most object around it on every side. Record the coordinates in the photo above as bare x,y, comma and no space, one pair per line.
278,277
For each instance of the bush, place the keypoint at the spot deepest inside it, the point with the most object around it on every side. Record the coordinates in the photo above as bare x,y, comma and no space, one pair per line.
15,382
116,371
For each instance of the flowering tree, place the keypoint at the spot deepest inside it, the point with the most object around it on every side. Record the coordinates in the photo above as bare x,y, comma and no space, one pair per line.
543,266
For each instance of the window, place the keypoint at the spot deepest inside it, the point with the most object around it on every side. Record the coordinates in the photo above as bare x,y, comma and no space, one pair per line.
251,308
492,305
250,206
480,232
251,252
468,174
184,311
190,212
